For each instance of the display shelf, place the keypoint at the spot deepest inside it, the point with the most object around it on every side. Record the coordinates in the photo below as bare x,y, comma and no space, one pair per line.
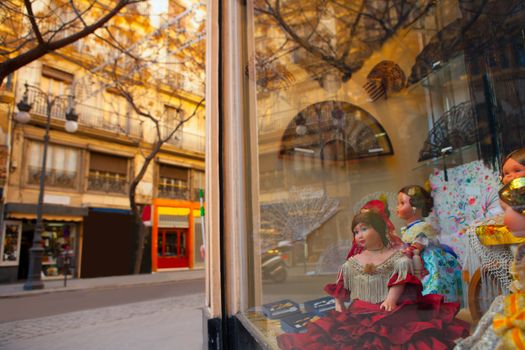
459,156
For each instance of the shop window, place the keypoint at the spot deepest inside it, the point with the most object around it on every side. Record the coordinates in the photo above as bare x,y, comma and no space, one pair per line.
10,244
353,104
108,173
58,239
173,182
271,171
61,165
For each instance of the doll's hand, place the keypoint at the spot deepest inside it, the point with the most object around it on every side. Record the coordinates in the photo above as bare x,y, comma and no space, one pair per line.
339,305
388,305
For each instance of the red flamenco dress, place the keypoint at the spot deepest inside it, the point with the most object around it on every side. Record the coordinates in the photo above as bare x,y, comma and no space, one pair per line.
417,323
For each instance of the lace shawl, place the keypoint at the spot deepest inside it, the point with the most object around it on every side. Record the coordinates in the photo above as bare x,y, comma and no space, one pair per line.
371,284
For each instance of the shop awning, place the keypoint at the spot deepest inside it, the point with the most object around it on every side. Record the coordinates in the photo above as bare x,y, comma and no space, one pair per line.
46,217
51,212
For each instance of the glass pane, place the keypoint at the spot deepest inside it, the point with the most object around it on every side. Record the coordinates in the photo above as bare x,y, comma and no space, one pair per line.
160,243
11,243
197,241
183,244
171,246
61,165
390,120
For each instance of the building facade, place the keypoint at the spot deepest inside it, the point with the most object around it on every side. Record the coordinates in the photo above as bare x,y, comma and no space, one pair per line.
89,173
316,108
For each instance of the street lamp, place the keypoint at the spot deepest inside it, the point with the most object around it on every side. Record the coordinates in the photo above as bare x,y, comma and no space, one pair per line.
34,279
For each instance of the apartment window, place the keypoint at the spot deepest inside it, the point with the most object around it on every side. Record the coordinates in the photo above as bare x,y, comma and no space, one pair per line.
173,182
118,112
56,83
173,117
61,165
108,173
198,182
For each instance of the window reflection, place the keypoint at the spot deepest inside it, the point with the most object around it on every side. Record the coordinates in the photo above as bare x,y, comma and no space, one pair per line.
356,100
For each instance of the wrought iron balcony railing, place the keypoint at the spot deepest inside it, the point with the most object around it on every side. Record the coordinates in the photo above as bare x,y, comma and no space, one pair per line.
53,177
89,116
172,192
107,182
185,139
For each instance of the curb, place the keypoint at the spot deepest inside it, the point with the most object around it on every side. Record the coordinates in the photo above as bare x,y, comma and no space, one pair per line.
114,285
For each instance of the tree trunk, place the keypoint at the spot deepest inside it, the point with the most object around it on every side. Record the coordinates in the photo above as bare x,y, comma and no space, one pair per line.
139,231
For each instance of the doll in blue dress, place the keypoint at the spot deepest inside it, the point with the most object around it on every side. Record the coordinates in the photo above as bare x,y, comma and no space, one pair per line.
440,270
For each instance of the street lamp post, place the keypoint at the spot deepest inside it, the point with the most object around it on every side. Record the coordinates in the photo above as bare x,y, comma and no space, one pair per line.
34,279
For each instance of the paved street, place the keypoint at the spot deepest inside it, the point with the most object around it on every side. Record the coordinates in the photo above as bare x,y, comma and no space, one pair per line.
169,323
160,311
48,304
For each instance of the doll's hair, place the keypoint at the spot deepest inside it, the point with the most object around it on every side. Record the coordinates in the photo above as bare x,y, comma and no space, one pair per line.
518,155
419,198
375,220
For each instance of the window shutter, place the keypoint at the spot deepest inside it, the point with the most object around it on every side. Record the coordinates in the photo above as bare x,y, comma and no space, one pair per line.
173,172
108,163
57,74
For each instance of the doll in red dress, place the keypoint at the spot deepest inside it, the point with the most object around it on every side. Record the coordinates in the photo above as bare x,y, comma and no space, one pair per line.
387,309
337,289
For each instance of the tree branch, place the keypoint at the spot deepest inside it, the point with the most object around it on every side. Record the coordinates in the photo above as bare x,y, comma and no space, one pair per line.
32,20
13,64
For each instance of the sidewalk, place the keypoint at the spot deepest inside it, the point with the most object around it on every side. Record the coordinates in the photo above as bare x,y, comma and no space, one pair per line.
53,286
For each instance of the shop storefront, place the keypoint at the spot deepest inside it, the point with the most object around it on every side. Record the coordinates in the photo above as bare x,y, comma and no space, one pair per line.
62,235
176,235
316,112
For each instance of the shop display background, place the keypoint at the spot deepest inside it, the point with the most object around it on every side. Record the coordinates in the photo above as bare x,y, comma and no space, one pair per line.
408,115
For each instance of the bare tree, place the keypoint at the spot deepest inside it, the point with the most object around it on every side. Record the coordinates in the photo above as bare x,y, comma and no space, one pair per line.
163,134
156,67
32,29
330,35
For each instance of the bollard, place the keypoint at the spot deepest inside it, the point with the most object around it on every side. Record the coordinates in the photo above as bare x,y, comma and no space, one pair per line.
65,262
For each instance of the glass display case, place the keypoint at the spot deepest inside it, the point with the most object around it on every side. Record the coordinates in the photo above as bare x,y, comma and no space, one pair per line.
346,109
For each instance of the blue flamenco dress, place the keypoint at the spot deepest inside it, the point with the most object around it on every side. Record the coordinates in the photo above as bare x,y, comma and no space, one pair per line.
440,262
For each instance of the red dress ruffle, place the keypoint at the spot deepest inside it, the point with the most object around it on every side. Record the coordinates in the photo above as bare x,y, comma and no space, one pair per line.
417,323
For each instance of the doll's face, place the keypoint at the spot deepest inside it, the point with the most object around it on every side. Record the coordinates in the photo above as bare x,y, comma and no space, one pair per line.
514,221
511,170
366,236
404,208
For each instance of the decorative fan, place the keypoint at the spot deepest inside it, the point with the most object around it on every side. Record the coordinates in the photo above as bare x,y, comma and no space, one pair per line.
269,73
304,211
335,130
456,128
386,77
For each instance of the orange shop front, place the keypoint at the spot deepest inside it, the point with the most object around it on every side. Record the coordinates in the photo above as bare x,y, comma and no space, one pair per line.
176,235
